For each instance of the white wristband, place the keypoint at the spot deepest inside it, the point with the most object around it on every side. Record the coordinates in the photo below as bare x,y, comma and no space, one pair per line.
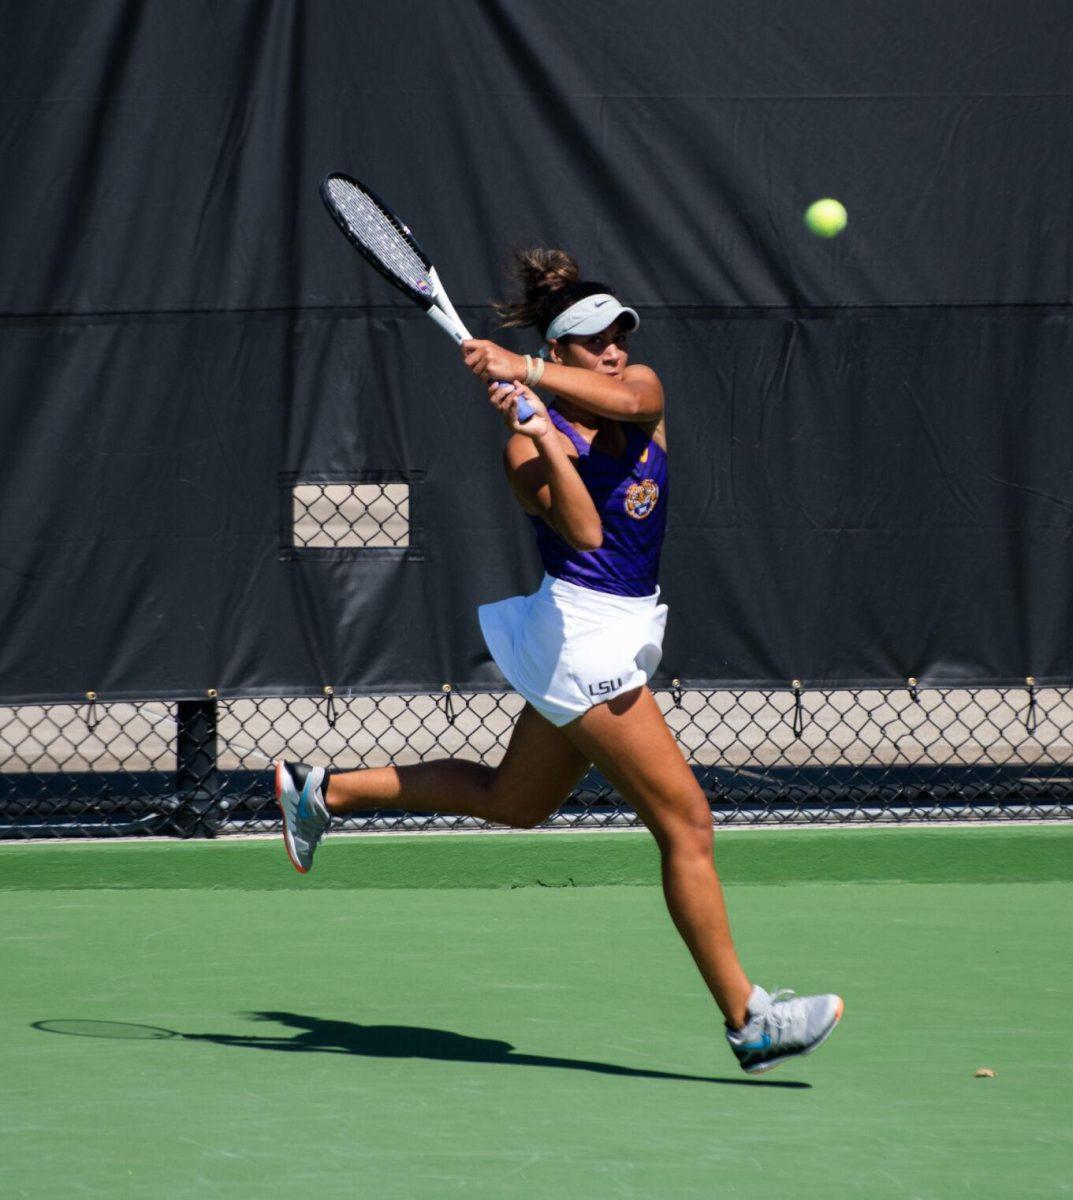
534,370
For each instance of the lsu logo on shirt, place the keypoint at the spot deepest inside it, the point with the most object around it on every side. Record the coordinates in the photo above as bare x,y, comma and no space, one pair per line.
641,499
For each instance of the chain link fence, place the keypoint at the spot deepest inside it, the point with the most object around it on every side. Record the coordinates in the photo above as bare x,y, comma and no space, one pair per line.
201,768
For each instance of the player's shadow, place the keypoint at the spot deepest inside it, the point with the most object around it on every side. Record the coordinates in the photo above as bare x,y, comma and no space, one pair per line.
317,1036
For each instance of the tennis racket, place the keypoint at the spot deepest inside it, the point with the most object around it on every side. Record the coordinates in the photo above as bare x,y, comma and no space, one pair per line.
389,246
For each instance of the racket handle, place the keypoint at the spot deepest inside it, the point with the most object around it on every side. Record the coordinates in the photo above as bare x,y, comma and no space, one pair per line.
525,410
451,324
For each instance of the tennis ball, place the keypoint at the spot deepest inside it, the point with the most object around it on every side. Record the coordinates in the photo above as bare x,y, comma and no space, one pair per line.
826,217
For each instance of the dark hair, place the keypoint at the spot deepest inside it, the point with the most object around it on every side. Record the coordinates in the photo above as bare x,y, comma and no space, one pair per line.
551,281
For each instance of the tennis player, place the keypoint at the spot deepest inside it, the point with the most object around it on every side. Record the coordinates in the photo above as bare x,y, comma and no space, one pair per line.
590,470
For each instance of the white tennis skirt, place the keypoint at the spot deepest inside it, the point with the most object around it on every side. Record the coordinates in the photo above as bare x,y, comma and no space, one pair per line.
566,648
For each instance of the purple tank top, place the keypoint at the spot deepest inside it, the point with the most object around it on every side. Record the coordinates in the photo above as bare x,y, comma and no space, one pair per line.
630,494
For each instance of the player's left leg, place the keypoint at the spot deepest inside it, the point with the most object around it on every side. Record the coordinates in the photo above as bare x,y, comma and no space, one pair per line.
539,770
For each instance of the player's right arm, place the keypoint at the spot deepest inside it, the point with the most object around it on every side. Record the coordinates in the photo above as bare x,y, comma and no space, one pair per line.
543,475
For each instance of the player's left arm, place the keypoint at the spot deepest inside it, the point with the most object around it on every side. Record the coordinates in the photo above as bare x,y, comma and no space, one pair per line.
637,396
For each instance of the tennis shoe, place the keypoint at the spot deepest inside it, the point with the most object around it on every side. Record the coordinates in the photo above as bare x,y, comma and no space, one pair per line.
782,1025
300,796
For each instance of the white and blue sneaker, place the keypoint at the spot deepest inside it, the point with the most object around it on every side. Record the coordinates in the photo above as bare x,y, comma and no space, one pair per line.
300,796
781,1026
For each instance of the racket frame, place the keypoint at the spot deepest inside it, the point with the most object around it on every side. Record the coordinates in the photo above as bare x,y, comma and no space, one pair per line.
436,303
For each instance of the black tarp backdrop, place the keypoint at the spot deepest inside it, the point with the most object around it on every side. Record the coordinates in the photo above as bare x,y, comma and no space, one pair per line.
870,438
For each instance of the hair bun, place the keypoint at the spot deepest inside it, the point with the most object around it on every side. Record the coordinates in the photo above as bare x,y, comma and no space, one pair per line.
541,271
551,282
555,271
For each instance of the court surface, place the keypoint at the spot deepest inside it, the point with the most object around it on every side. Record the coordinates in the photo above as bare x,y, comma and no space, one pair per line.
210,1024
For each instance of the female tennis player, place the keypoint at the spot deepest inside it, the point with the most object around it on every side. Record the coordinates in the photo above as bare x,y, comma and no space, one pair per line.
590,470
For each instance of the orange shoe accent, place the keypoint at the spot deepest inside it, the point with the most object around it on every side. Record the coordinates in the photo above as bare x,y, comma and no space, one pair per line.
279,800
841,1008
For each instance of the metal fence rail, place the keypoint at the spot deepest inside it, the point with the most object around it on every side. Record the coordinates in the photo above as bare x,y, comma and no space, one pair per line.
203,767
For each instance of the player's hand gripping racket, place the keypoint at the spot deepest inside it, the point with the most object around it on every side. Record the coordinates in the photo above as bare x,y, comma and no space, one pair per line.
389,246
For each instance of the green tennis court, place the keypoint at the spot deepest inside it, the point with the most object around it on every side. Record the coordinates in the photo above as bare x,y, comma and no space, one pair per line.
513,1016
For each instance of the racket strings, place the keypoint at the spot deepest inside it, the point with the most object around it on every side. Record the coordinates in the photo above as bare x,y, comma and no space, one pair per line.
370,226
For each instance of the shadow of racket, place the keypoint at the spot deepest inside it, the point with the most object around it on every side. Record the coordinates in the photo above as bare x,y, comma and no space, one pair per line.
118,1031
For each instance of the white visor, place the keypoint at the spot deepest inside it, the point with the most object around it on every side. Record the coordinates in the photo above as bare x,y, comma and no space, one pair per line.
590,315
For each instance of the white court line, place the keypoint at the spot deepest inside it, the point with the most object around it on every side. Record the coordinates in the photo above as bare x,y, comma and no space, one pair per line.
720,830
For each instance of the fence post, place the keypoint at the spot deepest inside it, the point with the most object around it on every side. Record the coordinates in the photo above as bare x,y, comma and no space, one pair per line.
197,780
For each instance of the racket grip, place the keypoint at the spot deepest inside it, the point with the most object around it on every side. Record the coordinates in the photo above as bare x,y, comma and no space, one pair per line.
460,333
526,411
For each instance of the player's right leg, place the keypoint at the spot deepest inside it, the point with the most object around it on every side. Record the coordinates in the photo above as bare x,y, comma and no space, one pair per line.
539,770
628,740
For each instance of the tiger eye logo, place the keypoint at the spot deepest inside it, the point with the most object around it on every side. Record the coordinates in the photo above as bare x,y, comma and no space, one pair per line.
641,499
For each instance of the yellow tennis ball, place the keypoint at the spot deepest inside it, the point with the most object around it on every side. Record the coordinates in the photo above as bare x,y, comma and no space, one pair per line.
826,217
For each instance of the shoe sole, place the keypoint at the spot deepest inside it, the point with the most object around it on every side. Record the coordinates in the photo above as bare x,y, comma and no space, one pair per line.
282,780
762,1067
